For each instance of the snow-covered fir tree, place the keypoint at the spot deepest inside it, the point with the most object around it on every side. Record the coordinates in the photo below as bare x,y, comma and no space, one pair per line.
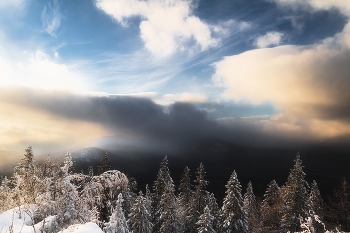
168,215
6,198
250,207
45,204
68,164
317,217
233,215
316,200
295,198
91,171
148,201
25,178
105,164
68,204
338,208
129,199
159,186
199,197
102,191
163,177
184,198
140,217
117,222
214,210
270,208
205,222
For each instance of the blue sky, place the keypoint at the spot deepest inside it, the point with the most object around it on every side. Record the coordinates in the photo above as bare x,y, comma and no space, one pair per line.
276,68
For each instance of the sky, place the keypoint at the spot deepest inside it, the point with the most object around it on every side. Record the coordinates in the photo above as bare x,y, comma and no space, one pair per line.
259,73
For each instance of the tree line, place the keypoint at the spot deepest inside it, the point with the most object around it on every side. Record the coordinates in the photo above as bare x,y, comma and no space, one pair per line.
110,200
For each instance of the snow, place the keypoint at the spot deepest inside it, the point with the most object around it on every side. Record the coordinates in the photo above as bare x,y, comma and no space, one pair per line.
17,218
20,221
83,228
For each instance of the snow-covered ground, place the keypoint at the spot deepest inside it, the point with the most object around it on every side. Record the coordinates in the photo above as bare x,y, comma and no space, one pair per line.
19,220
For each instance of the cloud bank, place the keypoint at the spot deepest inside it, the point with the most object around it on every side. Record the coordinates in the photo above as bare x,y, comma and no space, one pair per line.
309,85
60,120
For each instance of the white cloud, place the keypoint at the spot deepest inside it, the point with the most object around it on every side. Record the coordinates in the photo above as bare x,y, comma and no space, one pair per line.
38,70
166,26
269,39
309,85
51,18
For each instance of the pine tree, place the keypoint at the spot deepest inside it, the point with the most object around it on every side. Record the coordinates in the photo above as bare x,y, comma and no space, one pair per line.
168,216
214,210
105,164
117,222
68,204
184,198
162,180
205,222
140,217
270,208
148,202
338,208
233,216
295,198
316,200
68,164
163,177
45,204
317,207
250,207
6,195
91,171
103,190
199,198
27,181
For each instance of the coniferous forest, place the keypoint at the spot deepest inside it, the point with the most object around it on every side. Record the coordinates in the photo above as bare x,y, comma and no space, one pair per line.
52,197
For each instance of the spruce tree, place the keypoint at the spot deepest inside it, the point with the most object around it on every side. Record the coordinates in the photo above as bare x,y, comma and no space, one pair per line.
117,222
68,204
6,200
45,204
148,202
270,208
26,182
91,171
140,217
163,177
199,198
316,200
184,198
338,208
233,215
68,164
317,207
105,164
214,210
295,198
159,186
205,222
168,215
250,207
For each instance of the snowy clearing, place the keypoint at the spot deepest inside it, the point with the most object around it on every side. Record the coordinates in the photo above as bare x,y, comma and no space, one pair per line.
19,220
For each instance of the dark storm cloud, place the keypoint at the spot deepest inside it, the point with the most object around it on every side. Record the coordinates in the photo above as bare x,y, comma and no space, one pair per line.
134,116
174,124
